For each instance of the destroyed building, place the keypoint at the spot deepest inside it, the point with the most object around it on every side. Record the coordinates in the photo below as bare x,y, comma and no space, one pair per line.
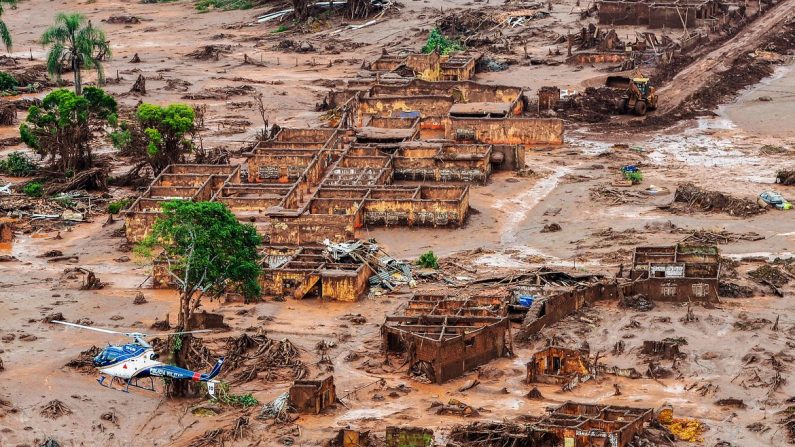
585,425
680,273
429,67
313,396
445,347
686,14
557,365
332,271
403,153
417,304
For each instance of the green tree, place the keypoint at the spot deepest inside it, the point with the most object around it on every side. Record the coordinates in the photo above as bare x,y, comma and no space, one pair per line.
207,252
75,42
160,135
60,129
5,35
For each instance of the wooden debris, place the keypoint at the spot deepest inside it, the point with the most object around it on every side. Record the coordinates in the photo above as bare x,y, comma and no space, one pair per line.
55,409
139,86
714,201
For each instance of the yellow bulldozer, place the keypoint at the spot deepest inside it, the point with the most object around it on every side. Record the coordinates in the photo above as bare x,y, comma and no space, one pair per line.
640,96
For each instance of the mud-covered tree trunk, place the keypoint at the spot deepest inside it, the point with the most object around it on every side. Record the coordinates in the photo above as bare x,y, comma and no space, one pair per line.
358,9
78,79
183,388
301,8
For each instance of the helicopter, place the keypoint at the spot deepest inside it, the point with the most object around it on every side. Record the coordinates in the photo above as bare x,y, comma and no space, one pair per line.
131,362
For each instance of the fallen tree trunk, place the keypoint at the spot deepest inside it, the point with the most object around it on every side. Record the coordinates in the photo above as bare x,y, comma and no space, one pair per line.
90,179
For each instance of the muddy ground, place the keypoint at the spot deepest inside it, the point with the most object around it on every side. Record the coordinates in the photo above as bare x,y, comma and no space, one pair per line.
723,153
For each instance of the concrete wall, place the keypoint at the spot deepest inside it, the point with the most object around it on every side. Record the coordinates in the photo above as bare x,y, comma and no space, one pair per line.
598,58
345,285
553,309
669,17
311,229
623,13
524,131
679,290
138,225
382,106
462,354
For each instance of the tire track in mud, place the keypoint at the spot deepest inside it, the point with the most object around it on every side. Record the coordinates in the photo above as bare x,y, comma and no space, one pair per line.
519,207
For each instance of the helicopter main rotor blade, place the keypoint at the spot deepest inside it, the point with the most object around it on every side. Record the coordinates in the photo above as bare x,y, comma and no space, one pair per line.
178,333
97,329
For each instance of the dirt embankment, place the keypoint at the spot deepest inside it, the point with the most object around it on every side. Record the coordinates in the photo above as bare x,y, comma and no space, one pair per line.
738,63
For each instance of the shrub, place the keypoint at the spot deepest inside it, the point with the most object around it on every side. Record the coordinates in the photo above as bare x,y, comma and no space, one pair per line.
225,5
632,174
445,45
33,189
118,205
7,81
240,400
17,164
428,260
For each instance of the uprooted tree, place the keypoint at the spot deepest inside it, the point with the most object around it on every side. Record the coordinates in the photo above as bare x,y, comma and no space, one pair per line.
61,128
160,136
207,252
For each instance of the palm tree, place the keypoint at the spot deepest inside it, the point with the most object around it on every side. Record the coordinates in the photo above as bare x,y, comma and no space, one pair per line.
75,41
5,35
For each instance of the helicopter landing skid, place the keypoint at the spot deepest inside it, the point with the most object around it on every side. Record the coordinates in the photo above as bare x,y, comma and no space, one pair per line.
126,383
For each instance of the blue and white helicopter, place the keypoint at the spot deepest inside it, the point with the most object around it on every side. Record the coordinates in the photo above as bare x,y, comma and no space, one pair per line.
131,362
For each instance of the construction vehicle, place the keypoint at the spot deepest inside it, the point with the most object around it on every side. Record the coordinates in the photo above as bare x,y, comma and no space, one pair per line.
640,96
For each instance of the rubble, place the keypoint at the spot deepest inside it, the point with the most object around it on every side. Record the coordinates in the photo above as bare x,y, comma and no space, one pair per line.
713,201
210,52
55,409
218,93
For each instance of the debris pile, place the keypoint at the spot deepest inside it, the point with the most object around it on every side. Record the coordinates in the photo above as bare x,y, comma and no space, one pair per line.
455,407
128,20
769,274
389,272
84,362
55,409
249,357
786,177
594,105
615,196
220,93
277,409
637,302
714,201
717,237
210,52
491,434
733,290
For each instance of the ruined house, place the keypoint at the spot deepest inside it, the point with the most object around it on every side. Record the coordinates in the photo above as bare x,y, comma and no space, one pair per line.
586,425
429,67
680,14
680,273
557,365
445,347
313,396
300,272
417,304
